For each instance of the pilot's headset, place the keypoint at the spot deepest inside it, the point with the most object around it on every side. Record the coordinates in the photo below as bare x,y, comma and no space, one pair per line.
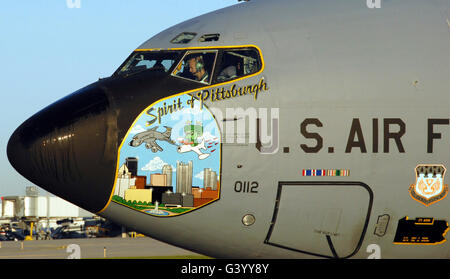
200,64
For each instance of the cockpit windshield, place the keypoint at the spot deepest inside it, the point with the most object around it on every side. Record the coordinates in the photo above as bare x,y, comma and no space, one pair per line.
144,60
207,66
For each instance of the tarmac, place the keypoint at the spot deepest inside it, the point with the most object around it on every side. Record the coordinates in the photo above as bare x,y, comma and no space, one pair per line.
94,248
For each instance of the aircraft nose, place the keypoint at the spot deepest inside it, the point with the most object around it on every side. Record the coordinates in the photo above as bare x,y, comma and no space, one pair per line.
70,148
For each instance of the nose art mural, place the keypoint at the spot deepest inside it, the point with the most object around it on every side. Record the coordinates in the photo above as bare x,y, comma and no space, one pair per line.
169,162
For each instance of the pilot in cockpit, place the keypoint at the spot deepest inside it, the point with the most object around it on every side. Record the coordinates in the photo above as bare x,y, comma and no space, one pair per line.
197,68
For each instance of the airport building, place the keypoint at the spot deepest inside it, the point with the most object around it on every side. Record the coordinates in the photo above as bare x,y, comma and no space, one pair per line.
34,206
40,213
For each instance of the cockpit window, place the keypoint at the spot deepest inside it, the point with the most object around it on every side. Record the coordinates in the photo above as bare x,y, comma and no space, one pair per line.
144,60
197,66
183,38
238,63
209,38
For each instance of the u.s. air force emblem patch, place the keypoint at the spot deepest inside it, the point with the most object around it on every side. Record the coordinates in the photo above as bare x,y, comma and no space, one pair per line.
429,187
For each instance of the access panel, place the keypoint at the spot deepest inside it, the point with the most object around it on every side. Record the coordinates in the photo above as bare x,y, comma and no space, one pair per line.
327,219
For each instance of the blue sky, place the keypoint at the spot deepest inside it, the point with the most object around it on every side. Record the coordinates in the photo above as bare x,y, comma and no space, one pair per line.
49,50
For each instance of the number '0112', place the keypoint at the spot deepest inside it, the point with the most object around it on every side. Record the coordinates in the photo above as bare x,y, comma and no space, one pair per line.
246,186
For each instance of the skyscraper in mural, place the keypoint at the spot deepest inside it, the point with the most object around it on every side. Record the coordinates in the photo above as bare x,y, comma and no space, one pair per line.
184,177
132,165
209,179
167,170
